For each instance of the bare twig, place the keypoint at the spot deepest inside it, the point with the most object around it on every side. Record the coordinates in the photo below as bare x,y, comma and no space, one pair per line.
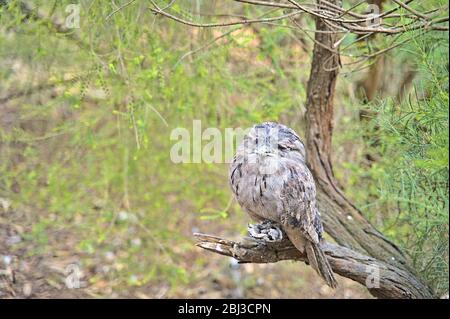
119,8
332,14
223,24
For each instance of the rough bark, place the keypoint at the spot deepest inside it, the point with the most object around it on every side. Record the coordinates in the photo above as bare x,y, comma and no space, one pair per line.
382,279
343,221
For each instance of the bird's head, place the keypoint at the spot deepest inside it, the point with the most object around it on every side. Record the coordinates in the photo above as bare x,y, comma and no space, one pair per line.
270,139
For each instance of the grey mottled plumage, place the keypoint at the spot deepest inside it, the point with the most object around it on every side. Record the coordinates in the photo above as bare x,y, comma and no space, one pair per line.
271,181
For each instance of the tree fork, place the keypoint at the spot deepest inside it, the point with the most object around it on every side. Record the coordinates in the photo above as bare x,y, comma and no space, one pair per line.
342,220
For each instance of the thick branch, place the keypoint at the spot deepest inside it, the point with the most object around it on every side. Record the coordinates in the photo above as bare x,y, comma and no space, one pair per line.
342,220
382,280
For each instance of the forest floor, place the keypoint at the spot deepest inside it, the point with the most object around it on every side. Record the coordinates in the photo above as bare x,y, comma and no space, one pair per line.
25,272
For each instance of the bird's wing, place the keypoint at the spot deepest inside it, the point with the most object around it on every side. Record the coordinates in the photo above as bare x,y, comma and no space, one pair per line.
301,219
299,201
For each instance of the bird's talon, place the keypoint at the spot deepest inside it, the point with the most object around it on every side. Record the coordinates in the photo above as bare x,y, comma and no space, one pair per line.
267,231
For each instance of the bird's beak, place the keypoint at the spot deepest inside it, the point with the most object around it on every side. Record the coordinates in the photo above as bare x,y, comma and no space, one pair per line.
264,150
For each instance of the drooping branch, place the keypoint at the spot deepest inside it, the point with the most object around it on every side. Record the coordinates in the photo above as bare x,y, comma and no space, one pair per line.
382,280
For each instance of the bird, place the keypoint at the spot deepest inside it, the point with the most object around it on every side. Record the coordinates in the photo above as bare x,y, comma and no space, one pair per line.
271,182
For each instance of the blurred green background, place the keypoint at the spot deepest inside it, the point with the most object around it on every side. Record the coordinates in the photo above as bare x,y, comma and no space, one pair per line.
85,169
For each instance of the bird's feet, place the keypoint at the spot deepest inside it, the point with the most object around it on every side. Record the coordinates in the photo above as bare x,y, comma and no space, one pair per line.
267,231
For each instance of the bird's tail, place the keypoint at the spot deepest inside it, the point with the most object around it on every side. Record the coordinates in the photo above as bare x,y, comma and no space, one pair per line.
319,262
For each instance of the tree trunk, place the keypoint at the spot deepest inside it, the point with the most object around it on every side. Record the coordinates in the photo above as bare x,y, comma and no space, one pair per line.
342,220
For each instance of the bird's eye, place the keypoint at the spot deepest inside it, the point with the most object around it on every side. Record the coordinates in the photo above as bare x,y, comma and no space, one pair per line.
282,147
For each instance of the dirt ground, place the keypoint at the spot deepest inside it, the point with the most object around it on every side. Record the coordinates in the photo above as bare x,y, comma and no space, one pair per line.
27,273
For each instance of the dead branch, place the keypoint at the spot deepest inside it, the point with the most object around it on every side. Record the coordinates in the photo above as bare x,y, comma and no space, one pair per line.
381,279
